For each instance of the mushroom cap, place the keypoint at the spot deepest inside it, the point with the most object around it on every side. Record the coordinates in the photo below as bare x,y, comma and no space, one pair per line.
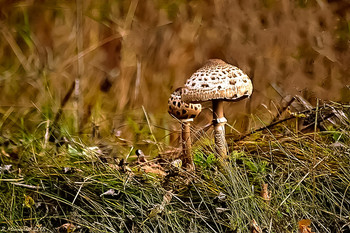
180,109
217,80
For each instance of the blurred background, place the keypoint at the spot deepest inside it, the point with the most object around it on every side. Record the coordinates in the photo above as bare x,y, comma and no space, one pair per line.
111,63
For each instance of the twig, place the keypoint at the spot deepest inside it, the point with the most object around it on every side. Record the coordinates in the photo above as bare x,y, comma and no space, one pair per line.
80,65
26,186
63,103
314,154
150,129
127,157
77,194
286,119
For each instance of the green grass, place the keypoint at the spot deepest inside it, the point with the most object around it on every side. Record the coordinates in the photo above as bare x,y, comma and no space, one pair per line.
49,185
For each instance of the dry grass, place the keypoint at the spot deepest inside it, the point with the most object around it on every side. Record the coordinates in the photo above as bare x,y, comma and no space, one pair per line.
124,51
127,57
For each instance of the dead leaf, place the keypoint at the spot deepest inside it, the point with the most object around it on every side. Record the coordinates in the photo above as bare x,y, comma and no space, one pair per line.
304,226
254,227
167,197
67,228
154,170
265,193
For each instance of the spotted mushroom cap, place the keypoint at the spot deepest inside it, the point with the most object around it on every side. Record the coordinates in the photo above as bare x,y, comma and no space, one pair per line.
217,80
180,109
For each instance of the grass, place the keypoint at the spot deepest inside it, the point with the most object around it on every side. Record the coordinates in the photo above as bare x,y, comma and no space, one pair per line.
121,53
50,184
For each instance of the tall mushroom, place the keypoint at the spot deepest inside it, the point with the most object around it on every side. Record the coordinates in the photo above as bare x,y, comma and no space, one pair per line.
185,113
217,81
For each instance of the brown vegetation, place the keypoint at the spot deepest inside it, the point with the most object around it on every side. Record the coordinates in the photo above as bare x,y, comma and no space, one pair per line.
129,54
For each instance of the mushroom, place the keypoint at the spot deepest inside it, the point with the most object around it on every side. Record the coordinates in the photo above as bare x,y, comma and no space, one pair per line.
141,158
185,112
217,81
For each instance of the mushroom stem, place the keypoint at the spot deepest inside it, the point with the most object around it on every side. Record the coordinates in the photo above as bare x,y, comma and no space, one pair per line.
186,157
185,112
219,128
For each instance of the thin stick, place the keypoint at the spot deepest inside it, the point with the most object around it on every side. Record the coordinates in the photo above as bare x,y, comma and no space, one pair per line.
26,186
127,157
47,133
80,64
138,78
314,156
63,103
150,129
283,120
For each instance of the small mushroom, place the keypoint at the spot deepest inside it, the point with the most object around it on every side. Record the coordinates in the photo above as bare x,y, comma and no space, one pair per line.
141,158
217,81
185,113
